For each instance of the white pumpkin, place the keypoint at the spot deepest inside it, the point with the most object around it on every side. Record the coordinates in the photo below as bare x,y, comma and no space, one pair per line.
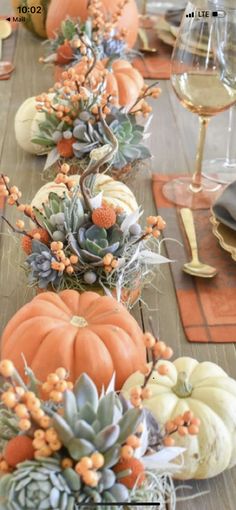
210,393
114,192
26,126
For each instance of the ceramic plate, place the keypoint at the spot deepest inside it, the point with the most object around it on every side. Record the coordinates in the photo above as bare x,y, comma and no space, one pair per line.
225,235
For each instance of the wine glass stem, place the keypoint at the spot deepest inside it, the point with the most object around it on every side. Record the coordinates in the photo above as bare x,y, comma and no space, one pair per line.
231,136
196,184
144,7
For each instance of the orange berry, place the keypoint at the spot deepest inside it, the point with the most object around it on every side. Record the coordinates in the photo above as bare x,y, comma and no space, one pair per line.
45,422
47,387
97,460
45,451
55,445
51,435
188,416
127,452
163,370
65,168
9,399
74,259
107,259
146,393
136,401
24,424
61,386
4,468
159,348
91,478
145,369
38,444
52,378
39,434
70,385
196,421
33,405
56,396
19,391
86,463
136,391
37,414
156,233
151,220
67,463
148,230
6,368
178,420
79,469
170,426
168,353
193,430
20,224
168,441
133,441
21,411
183,431
149,340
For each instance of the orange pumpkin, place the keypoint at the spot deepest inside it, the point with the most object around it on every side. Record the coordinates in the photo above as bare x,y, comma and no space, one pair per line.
81,332
59,9
123,79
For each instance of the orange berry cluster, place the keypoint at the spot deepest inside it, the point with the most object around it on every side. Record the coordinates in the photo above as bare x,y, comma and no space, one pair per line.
132,443
155,224
141,107
109,262
12,192
26,406
159,350
87,468
184,425
46,442
63,263
102,26
56,384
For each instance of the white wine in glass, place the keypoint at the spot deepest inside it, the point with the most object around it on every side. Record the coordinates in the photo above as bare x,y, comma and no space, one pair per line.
196,80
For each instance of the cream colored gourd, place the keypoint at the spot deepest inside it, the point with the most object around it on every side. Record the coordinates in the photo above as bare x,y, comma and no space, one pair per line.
114,192
205,389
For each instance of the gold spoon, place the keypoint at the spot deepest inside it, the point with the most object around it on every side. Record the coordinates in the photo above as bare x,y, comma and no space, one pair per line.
5,32
145,46
194,267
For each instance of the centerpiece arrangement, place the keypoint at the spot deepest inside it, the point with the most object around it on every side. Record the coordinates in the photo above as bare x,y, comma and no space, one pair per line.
79,242
78,446
65,122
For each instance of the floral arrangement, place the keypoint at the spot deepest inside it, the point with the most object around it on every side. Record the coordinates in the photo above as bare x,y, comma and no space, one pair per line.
76,447
102,34
72,127
78,241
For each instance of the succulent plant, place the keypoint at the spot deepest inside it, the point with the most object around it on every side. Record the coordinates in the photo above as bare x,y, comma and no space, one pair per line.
129,135
36,484
88,138
39,262
8,427
91,424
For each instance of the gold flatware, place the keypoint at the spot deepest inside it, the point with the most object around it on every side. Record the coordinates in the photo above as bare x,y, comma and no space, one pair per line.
225,235
145,48
5,32
194,267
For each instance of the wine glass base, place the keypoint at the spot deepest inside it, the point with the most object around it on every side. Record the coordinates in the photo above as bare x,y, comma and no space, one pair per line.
219,170
179,192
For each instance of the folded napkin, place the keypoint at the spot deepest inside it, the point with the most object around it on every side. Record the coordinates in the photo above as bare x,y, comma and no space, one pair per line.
225,206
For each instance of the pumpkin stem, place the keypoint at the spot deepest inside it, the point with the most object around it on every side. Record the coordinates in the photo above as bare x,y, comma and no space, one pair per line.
183,388
78,322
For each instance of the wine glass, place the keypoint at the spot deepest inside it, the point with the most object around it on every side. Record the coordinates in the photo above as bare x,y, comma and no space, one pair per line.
224,169
197,81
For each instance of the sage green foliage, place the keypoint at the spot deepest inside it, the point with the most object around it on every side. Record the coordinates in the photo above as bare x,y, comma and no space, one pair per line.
93,424
8,427
36,485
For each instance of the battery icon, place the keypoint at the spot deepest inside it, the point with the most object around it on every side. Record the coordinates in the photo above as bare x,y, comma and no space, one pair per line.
218,14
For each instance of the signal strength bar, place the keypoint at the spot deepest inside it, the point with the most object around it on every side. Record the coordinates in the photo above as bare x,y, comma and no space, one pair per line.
190,15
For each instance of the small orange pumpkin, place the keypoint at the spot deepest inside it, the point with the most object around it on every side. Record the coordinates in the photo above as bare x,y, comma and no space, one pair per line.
59,9
81,332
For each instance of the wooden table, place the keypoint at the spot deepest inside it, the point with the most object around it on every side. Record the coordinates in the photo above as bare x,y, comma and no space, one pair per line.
173,142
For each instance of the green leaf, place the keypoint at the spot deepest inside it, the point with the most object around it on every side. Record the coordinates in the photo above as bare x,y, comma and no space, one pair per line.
107,437
92,247
129,423
87,413
54,497
64,431
72,478
79,448
43,141
106,409
70,407
86,392
84,431
42,220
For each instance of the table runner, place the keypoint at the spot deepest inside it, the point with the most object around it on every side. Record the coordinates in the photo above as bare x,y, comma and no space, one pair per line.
207,306
158,65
